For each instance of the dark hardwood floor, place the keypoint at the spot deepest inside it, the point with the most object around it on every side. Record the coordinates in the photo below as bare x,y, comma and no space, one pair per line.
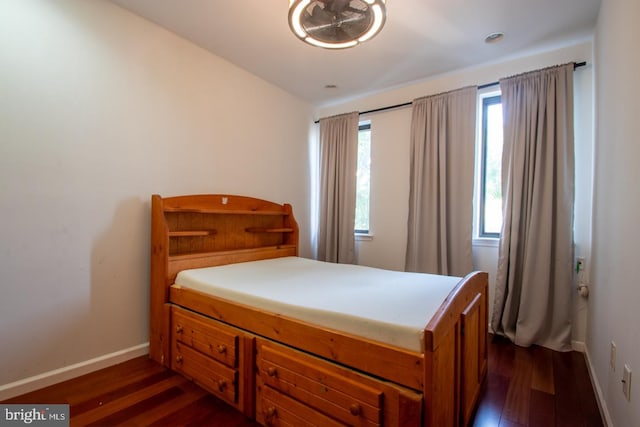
536,387
524,387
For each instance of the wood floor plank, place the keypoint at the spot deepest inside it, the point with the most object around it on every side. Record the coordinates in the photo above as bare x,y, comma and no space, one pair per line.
504,356
567,399
542,410
125,402
189,393
81,388
112,394
492,400
125,416
205,411
542,376
516,407
105,383
508,423
588,403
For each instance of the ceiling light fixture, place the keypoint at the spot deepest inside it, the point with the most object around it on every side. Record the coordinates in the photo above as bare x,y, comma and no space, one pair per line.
494,37
336,24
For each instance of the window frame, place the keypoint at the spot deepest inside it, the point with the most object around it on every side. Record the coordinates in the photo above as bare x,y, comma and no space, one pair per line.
485,100
365,125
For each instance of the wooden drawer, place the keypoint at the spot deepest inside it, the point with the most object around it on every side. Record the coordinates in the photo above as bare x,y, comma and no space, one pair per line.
294,383
209,337
214,376
280,410
304,380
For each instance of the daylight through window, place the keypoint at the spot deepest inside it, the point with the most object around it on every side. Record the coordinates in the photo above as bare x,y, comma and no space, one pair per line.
490,201
363,178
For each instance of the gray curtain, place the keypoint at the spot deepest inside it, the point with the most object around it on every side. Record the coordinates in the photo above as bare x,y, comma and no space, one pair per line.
532,304
443,129
338,167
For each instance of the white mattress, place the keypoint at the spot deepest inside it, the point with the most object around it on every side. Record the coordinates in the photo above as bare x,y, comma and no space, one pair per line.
387,306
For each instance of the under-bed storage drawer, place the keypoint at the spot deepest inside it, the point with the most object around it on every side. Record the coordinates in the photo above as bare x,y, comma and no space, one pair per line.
210,374
216,356
215,340
299,389
281,410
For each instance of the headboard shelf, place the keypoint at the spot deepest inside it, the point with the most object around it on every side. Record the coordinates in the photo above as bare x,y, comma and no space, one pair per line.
189,226
268,230
226,211
192,233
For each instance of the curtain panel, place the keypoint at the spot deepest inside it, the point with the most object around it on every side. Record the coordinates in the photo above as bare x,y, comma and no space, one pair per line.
440,223
338,168
532,303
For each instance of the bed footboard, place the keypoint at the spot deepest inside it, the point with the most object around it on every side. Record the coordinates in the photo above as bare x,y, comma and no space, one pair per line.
456,354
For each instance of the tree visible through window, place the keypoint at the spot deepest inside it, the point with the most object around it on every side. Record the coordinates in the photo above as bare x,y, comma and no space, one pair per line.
490,209
363,178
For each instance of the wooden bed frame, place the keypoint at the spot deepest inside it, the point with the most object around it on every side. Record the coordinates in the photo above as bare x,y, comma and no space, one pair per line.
280,370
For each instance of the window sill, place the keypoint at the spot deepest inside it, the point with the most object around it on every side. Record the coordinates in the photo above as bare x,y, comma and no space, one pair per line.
488,242
363,236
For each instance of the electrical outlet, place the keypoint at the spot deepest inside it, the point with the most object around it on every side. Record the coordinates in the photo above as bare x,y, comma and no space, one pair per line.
626,382
612,356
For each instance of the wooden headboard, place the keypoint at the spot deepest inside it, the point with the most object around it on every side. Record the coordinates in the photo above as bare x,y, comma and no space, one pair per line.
206,230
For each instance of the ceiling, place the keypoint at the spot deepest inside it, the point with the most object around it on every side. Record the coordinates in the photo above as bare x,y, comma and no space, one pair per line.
421,38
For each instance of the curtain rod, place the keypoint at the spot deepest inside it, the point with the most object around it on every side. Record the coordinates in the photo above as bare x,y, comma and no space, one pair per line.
406,104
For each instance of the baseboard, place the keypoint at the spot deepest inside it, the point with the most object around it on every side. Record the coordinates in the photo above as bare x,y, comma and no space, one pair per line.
46,379
602,404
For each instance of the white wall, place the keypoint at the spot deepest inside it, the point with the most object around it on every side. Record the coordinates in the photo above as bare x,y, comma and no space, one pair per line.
390,159
389,207
98,110
613,305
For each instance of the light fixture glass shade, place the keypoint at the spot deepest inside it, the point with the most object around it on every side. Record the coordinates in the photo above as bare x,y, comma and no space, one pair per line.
336,24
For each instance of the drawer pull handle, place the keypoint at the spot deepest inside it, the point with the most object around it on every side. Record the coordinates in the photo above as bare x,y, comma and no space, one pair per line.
222,349
270,413
222,384
179,358
179,329
272,372
355,409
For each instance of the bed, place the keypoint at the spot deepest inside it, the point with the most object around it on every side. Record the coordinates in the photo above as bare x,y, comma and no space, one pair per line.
292,341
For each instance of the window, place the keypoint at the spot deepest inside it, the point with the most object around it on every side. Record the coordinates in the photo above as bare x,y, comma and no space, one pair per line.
363,178
489,208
